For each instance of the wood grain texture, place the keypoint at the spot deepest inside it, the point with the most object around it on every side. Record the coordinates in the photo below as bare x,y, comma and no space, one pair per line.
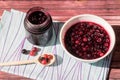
108,9
63,10
7,76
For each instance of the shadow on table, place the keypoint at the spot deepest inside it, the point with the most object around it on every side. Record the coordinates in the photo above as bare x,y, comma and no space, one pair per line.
56,32
58,61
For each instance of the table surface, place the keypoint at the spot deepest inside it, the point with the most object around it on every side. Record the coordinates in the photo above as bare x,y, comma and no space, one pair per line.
63,10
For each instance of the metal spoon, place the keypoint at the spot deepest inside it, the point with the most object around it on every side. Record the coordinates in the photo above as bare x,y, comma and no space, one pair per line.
36,60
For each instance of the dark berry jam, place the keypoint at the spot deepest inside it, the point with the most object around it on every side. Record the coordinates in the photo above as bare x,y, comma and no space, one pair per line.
38,25
87,40
37,17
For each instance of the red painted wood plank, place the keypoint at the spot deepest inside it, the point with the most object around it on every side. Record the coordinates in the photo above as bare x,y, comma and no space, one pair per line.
115,74
63,10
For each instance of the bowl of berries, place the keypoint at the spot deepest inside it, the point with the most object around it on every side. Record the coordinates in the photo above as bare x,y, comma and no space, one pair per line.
88,38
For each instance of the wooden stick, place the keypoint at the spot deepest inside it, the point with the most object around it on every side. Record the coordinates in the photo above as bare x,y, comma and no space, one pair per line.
18,62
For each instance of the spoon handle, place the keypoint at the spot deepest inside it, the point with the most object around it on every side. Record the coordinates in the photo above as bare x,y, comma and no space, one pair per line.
17,62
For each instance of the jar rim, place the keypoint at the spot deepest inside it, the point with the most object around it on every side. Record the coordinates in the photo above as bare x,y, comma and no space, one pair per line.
37,28
31,10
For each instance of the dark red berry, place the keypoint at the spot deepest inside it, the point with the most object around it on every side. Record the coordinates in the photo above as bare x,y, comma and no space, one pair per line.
32,53
73,34
107,40
80,32
24,51
106,44
44,62
90,24
85,39
47,60
82,44
84,49
77,42
45,55
41,58
101,54
35,49
89,56
99,40
50,57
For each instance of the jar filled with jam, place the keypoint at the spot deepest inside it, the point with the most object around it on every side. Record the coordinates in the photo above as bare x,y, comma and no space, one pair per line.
38,26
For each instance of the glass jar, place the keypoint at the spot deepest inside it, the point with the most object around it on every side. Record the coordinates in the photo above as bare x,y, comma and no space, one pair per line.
38,26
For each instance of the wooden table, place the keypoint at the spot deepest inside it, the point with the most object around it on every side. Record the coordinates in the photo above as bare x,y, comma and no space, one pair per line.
63,10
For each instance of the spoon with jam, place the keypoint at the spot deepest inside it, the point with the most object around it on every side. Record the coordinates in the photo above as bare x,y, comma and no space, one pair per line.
44,59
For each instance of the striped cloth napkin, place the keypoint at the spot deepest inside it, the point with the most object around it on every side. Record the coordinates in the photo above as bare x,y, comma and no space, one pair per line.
12,41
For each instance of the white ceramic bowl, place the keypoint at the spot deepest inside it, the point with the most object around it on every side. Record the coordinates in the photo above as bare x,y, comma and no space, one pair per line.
89,18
